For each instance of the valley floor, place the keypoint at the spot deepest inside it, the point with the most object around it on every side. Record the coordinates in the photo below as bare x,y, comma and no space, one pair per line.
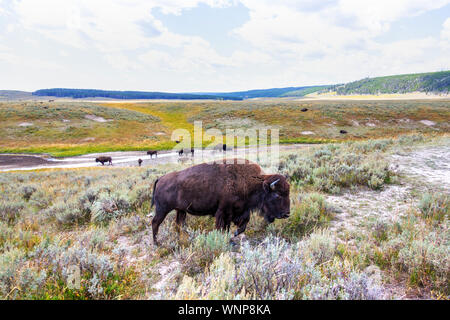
369,220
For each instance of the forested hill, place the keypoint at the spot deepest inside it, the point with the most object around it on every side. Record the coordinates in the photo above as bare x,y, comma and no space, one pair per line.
269,93
435,82
92,93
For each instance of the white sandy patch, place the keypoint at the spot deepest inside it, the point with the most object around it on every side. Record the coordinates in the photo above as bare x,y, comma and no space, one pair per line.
25,124
96,118
307,132
428,122
371,124
355,123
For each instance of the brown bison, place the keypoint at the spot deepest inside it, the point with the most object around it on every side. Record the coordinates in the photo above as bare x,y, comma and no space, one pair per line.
227,191
152,152
140,162
103,160
342,131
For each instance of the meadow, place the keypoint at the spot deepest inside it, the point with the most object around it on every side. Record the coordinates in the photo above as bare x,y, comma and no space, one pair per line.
74,128
99,220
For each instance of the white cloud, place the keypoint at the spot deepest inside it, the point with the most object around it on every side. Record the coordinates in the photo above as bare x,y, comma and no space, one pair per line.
445,33
286,42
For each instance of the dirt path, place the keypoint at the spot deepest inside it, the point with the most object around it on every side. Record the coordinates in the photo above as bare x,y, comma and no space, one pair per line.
9,162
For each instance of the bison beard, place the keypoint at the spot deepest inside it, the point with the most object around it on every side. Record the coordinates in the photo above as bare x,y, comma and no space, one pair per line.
227,191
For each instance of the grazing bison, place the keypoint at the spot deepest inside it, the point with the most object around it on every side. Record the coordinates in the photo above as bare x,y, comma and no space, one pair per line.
152,152
304,109
192,151
103,160
140,162
227,191
342,132
180,152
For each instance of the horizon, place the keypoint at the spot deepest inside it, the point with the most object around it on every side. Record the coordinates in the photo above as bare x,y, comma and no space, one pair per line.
216,46
211,92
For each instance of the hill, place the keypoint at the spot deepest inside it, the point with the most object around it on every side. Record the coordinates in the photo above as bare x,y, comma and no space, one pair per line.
14,95
93,93
269,93
431,82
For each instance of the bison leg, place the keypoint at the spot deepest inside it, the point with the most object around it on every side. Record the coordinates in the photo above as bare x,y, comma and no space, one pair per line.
223,219
157,220
242,225
181,218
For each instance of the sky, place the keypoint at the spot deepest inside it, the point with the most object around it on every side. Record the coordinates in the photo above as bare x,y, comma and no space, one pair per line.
216,45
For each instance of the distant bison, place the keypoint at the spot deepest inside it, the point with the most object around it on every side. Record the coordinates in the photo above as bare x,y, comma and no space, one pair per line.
140,162
180,152
192,151
342,132
152,152
103,160
304,109
221,147
227,191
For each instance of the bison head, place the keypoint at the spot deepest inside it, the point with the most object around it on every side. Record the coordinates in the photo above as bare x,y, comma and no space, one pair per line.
276,203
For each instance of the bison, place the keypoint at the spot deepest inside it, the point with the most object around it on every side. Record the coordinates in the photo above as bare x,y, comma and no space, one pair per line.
152,152
343,132
227,191
180,152
103,160
304,109
192,151
140,162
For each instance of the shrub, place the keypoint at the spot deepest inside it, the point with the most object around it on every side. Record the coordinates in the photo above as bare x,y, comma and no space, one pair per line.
108,207
27,191
205,248
334,167
311,212
10,210
435,207
67,213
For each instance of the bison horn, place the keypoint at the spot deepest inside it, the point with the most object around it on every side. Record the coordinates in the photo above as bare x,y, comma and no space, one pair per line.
272,185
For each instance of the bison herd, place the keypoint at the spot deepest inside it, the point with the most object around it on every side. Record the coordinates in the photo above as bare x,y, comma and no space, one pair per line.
228,190
151,153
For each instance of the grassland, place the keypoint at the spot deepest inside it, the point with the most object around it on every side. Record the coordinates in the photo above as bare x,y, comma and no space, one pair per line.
97,219
62,128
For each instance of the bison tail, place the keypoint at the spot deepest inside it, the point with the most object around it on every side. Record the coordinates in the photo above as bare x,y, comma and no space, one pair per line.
153,194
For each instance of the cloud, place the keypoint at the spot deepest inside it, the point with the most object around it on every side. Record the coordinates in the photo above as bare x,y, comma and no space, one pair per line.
284,42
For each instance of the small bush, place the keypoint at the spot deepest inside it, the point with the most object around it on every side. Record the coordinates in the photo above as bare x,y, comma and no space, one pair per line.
10,210
311,212
205,248
435,207
108,207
